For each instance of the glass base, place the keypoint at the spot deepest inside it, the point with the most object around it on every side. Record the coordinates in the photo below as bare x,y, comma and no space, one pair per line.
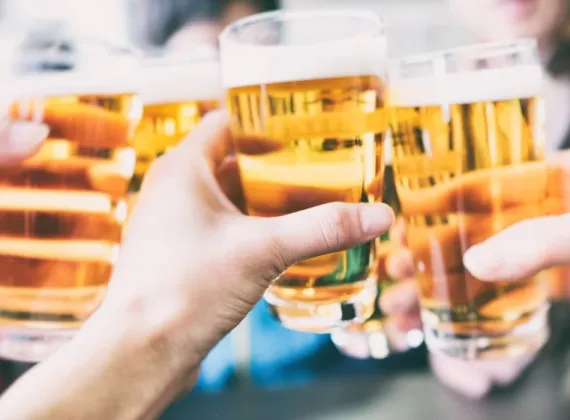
31,345
524,340
323,318
375,339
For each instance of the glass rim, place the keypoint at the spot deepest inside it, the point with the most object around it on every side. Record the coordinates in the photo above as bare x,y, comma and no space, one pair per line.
179,60
228,33
477,50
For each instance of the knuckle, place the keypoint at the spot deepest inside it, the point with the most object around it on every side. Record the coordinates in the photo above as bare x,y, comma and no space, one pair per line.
278,259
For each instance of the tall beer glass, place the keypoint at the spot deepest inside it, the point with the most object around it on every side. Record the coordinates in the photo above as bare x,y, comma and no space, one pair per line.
305,93
62,209
379,336
468,150
177,91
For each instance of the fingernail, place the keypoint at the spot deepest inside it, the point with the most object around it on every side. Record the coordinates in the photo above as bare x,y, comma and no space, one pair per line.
376,218
24,136
481,261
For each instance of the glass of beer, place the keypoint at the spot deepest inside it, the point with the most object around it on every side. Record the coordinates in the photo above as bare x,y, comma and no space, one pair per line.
305,94
177,91
468,161
62,208
379,336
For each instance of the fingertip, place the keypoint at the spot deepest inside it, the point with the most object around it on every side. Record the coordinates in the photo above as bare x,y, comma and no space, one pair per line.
375,219
400,264
481,262
21,139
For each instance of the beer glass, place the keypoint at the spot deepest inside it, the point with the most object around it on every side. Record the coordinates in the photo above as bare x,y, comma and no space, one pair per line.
379,336
305,94
177,91
468,150
62,209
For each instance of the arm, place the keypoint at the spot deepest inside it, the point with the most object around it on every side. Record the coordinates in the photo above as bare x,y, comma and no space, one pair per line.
115,368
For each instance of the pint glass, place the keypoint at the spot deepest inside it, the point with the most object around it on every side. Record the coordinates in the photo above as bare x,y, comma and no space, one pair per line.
468,150
176,91
305,94
62,208
379,336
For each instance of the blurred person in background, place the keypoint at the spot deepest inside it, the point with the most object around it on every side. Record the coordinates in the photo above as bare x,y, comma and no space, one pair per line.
541,243
186,25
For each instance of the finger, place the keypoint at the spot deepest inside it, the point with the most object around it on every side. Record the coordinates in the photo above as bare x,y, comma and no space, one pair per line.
211,139
521,250
460,376
400,264
504,372
408,322
383,250
398,232
20,140
321,230
400,299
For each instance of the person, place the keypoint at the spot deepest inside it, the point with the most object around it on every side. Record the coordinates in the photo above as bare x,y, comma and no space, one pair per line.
541,243
180,26
192,266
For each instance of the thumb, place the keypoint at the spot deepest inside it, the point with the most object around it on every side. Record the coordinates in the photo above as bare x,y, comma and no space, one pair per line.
20,140
522,250
323,229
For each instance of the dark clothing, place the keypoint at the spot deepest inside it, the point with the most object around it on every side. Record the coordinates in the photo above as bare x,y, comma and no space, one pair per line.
559,68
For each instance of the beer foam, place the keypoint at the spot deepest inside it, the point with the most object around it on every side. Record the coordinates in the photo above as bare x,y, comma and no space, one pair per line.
104,81
467,87
247,64
178,82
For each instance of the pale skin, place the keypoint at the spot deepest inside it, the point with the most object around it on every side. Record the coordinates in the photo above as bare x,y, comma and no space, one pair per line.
540,242
192,266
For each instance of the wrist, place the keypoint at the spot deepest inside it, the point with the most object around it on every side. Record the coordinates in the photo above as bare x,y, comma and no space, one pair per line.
137,362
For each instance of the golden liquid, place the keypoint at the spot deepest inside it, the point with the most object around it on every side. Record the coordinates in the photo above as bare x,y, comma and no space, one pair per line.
162,126
302,144
61,210
464,173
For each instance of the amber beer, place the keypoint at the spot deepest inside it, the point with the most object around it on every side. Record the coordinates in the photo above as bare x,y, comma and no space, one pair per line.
380,336
62,209
177,92
468,150
308,124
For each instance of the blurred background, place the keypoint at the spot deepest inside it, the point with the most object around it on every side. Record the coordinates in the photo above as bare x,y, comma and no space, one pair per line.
412,25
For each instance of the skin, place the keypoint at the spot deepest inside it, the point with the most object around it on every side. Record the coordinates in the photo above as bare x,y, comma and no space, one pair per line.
540,242
192,266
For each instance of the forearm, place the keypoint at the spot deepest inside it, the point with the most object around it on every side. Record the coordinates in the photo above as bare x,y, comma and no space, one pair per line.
112,369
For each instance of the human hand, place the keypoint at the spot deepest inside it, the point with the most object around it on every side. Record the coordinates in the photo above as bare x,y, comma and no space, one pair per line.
400,302
20,140
190,269
200,264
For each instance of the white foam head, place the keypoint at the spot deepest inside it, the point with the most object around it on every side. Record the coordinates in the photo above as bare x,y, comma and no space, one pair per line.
462,86
97,71
171,81
307,45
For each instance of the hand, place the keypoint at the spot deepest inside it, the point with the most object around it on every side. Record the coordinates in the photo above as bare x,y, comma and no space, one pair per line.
20,140
400,302
191,267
